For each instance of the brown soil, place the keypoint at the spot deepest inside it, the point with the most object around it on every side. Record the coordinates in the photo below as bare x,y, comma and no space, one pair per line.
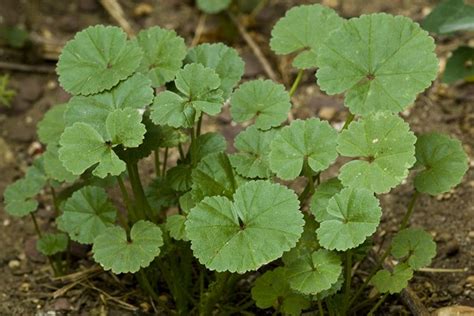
24,274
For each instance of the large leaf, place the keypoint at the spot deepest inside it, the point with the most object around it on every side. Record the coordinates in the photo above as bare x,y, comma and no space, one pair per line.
52,125
393,282
264,100
307,244
86,214
252,160
460,65
314,273
387,147
54,168
247,233
323,193
382,62
223,59
113,250
443,160
311,141
273,290
97,59
352,216
199,88
450,16
51,244
164,52
414,244
213,6
303,30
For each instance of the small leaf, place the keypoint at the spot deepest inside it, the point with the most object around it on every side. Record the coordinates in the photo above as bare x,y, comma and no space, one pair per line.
312,140
315,273
160,194
323,193
54,168
52,125
387,146
223,59
114,251
307,244
179,177
272,290
460,65
252,160
213,6
86,214
175,226
97,59
125,127
381,61
207,144
296,33
186,202
200,91
264,100
450,16
416,244
352,216
83,147
51,244
393,282
245,234
444,162
164,52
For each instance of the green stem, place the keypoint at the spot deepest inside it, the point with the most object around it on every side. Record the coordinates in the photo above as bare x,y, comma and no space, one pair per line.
310,187
157,161
296,83
348,121
181,152
411,208
146,286
348,279
40,235
55,201
377,305
165,162
199,125
215,292
320,308
126,200
141,204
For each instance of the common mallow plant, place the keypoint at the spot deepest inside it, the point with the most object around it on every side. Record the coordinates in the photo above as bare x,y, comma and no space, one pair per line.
215,218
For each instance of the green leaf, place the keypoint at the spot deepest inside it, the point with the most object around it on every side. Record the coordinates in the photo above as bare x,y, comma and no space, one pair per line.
186,202
52,125
97,59
381,61
83,147
213,6
450,16
307,244
393,282
444,163
179,177
336,287
311,140
114,251
223,59
416,244
135,92
200,91
352,215
51,244
252,160
125,127
54,168
19,196
175,226
266,101
323,193
86,214
207,144
460,65
303,30
272,290
245,234
160,194
164,52
386,145
314,273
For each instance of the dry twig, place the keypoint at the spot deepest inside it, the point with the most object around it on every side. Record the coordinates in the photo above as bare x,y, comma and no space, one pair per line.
116,12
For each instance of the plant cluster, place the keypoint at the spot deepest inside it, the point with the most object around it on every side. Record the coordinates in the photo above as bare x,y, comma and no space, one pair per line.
205,224
6,94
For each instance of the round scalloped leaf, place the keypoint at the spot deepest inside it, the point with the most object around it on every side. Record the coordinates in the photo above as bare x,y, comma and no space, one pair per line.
272,290
175,226
323,193
387,147
135,92
223,59
393,282
247,233
352,215
252,160
307,244
381,61
303,30
160,194
312,140
415,243
97,59
179,177
52,125
444,162
266,101
54,168
51,244
315,273
86,214
83,147
164,52
213,6
206,144
124,127
114,251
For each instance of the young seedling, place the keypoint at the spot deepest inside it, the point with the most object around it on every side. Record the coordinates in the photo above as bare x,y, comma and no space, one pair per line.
213,218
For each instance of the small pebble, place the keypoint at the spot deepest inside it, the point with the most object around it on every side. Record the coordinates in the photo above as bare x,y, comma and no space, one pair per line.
471,234
470,279
14,264
327,113
452,248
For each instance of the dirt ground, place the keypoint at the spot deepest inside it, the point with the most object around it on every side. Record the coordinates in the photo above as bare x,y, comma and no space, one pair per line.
26,286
